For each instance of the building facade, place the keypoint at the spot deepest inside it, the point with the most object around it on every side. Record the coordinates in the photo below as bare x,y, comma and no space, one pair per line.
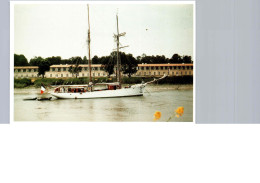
143,70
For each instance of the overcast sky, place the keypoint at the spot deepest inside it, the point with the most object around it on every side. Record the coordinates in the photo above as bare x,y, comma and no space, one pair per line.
61,29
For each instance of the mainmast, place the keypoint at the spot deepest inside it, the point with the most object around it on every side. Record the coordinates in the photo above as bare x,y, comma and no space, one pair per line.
117,58
117,49
89,58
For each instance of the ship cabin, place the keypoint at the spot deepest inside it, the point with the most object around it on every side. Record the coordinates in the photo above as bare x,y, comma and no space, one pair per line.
86,88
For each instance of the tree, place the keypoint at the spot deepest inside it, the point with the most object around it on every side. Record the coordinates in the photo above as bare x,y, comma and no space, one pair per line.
54,60
128,64
109,63
43,65
186,59
36,61
20,60
95,60
85,60
75,68
176,58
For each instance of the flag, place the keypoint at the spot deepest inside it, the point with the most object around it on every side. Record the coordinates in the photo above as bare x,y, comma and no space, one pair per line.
42,89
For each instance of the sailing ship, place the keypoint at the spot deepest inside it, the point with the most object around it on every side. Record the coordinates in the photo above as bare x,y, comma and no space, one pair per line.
101,90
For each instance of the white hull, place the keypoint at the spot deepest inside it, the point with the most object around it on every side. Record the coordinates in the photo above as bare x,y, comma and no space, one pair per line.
135,90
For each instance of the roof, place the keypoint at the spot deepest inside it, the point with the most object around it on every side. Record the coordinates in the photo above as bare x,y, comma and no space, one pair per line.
99,65
147,65
26,67
81,65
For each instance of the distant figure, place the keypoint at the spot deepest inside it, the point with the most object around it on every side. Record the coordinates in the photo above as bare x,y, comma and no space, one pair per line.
146,29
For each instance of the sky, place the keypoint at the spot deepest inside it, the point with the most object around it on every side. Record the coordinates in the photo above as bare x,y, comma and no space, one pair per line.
61,29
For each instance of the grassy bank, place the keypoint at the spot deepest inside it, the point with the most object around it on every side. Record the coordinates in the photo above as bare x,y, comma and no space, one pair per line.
21,83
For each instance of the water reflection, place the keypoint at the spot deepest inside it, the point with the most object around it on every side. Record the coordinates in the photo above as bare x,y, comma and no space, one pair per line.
161,98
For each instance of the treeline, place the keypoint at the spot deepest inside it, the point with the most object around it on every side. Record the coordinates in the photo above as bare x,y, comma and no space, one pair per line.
21,60
25,82
128,62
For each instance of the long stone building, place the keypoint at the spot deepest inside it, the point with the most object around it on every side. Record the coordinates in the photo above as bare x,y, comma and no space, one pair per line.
143,70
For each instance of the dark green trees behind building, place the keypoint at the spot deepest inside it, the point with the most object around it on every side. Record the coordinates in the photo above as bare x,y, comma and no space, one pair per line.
128,62
20,60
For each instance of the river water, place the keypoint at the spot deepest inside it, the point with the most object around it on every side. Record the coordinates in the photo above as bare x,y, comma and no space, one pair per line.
163,98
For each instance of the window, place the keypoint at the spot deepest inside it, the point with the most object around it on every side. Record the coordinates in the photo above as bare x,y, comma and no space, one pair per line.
29,70
161,67
144,73
173,73
82,74
157,68
64,68
35,70
24,70
158,73
50,75
190,72
185,72
104,74
57,75
152,68
61,75
19,70
147,68
67,75
149,73
176,73
59,69
98,74
142,68
93,74
154,73
53,69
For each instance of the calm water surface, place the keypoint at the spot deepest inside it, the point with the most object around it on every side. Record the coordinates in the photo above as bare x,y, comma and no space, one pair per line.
163,98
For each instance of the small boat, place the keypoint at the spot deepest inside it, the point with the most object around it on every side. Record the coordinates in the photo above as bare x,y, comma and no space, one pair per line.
44,98
31,98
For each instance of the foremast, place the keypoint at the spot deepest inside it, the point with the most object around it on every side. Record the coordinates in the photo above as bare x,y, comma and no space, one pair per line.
118,60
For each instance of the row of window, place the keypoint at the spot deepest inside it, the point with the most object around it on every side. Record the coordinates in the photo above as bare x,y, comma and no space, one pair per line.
158,73
164,67
25,70
104,74
80,74
84,69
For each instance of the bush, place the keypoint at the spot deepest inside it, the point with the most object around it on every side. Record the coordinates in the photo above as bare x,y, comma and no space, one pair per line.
21,83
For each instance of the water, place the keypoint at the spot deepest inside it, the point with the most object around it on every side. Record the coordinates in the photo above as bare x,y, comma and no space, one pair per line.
163,98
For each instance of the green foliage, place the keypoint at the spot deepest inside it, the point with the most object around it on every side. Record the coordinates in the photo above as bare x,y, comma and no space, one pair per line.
128,64
21,83
20,60
54,60
43,64
176,80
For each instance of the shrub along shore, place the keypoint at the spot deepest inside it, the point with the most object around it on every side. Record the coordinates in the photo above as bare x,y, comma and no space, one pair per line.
25,82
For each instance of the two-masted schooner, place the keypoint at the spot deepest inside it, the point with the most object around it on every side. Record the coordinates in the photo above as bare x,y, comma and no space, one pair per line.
100,90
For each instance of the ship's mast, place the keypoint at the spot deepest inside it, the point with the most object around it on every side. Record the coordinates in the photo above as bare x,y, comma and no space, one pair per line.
118,70
118,59
89,58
